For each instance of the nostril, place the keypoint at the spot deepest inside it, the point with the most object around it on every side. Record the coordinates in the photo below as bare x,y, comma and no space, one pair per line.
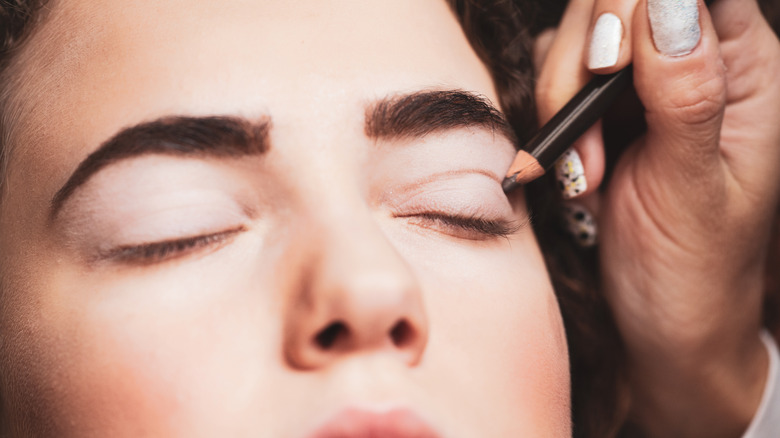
330,334
402,333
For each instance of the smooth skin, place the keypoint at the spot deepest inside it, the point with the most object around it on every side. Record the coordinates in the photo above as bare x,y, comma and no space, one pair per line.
685,219
221,340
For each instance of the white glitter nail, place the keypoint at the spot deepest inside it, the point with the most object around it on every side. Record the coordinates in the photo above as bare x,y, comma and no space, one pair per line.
605,41
570,174
675,25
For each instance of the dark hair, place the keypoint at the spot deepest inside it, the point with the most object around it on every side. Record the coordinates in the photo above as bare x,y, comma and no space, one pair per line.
16,17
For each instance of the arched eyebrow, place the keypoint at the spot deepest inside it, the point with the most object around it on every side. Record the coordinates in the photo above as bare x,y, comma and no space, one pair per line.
212,136
417,114
403,117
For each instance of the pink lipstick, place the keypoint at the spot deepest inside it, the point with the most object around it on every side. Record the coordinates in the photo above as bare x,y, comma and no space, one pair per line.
353,423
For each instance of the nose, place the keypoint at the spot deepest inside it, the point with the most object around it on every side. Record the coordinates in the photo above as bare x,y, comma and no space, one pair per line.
355,295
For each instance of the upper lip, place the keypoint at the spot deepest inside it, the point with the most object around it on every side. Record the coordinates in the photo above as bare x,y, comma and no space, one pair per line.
354,423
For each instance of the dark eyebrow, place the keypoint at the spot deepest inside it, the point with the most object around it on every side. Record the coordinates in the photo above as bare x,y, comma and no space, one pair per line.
396,117
417,114
212,136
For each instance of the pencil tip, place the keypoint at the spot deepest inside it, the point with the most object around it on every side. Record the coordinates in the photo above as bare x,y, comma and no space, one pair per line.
524,169
509,184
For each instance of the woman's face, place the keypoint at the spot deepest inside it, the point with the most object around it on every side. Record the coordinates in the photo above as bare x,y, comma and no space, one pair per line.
334,252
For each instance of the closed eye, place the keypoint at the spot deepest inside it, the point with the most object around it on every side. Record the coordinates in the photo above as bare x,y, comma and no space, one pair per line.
467,227
158,252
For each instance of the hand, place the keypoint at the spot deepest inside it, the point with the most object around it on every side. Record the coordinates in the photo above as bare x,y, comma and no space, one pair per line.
686,215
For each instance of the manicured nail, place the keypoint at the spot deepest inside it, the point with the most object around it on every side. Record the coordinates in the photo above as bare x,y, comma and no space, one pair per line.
580,224
605,41
675,25
570,174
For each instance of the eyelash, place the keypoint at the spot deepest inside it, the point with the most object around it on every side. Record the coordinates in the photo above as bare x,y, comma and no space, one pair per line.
477,228
157,252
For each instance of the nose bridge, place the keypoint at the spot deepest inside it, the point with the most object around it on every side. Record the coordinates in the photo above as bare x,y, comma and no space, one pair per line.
360,296
366,284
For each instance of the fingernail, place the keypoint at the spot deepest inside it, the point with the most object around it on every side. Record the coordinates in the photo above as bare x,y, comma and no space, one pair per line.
580,224
570,174
605,41
675,25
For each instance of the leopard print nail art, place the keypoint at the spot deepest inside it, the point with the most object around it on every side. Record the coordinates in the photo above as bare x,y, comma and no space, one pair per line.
580,224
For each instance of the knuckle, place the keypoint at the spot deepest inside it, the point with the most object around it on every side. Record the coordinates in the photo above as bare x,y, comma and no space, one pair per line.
543,93
549,96
542,46
697,101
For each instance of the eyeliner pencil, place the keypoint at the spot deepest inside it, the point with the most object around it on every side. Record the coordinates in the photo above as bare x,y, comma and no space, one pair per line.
557,135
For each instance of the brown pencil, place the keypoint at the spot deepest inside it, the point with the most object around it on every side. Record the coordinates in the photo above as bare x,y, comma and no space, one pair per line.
557,135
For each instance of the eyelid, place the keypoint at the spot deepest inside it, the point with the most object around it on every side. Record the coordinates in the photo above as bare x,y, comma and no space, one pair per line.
447,180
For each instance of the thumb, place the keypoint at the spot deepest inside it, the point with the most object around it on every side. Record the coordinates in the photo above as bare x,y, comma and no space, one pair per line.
680,79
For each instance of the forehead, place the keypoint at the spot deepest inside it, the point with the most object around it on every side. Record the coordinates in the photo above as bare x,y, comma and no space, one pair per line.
115,61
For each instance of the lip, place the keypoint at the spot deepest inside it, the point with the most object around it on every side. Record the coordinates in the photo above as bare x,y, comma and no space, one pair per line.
354,423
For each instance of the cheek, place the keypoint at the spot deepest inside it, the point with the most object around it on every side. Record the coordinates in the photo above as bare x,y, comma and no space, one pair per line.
141,357
496,327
